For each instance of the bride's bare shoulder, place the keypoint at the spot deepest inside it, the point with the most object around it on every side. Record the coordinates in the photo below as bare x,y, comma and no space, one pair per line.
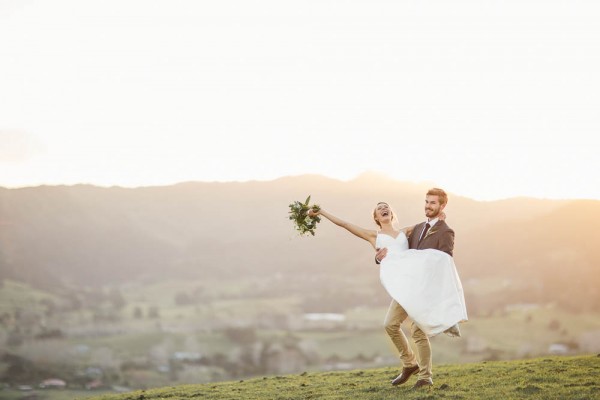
372,233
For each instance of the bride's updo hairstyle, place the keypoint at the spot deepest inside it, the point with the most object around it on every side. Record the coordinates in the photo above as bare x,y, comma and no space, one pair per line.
375,212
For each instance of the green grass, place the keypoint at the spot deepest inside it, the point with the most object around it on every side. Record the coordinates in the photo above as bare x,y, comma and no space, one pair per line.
542,378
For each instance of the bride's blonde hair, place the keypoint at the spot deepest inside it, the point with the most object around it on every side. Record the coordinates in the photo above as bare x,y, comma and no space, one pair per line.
375,213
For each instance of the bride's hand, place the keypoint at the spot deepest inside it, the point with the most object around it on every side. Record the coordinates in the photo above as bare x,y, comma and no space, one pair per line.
442,216
311,213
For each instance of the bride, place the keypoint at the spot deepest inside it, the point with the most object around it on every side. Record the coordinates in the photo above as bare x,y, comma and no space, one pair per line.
424,282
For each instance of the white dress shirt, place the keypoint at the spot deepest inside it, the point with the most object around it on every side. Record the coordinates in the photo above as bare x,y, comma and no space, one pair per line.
431,223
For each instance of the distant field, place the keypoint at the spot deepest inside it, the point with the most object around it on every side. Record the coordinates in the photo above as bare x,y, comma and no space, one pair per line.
517,333
15,295
49,394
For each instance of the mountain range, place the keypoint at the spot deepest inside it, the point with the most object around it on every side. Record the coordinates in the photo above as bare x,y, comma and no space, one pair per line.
531,249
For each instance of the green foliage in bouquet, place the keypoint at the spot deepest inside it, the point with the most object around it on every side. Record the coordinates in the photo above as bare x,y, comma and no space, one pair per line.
299,214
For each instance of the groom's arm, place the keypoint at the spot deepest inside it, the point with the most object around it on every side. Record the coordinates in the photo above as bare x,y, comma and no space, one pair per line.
380,255
446,243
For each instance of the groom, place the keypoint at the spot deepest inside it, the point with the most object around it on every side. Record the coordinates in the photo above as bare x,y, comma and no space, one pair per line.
431,234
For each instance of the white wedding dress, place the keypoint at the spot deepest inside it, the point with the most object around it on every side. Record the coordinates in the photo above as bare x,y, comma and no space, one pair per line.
424,282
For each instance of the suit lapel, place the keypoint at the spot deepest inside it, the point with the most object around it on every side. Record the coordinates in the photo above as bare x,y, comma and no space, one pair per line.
434,229
416,234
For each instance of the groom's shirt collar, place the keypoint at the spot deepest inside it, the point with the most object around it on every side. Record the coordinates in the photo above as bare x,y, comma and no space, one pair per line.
433,221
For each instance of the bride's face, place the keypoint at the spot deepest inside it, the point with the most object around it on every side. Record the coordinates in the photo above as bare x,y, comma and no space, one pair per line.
383,213
433,206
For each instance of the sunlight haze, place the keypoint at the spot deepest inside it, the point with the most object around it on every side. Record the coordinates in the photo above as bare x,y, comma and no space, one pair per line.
487,99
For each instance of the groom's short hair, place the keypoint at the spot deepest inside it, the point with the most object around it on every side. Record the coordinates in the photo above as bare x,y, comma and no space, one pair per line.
440,194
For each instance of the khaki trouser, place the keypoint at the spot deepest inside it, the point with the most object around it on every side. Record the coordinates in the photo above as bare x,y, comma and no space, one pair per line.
394,318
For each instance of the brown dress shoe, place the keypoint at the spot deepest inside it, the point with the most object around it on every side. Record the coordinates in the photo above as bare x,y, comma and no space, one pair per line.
406,373
423,383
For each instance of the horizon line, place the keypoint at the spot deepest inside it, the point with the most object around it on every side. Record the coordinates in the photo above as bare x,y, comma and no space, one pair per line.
356,177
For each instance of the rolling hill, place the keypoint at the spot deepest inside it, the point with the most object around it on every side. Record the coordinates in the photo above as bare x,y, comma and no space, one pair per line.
542,378
87,235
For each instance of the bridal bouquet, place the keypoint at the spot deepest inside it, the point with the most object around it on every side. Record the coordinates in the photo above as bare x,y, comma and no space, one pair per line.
299,214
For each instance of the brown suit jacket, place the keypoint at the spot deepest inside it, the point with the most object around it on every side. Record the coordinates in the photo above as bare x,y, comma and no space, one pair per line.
440,237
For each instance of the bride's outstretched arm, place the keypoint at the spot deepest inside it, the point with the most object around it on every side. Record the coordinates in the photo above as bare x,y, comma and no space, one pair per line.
366,234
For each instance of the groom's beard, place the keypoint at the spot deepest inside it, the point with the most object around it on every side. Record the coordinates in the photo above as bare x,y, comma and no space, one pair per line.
431,216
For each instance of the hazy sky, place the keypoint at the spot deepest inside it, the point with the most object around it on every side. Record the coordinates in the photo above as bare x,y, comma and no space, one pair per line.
489,99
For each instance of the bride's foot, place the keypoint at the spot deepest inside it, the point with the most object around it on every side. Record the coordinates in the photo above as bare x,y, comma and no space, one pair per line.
453,331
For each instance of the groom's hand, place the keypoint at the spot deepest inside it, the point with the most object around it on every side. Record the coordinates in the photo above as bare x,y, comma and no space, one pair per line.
380,255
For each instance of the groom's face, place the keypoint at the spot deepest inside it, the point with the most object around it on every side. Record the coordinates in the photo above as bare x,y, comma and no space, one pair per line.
432,206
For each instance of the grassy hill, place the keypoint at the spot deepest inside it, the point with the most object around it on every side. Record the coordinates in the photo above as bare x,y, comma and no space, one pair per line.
541,378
